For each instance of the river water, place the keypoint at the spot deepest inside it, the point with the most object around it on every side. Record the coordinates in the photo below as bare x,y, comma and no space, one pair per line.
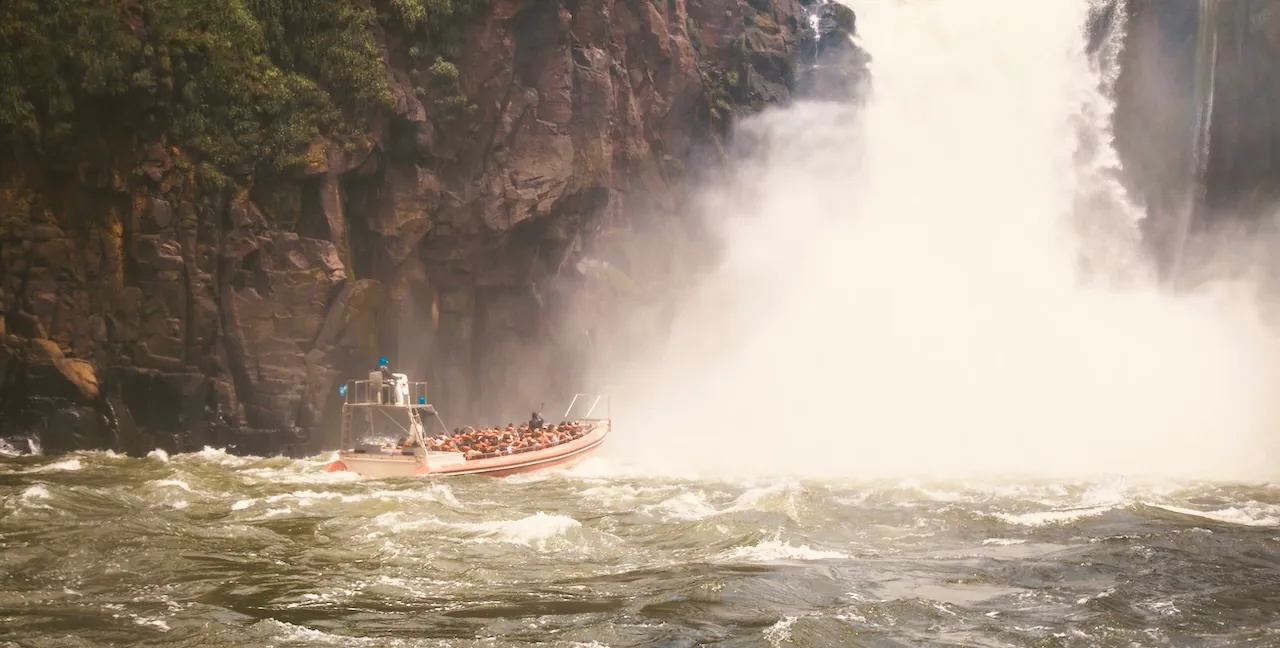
208,549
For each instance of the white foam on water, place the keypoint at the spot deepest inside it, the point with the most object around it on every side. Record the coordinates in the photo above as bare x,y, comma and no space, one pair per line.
780,632
175,483
611,494
776,550
398,521
158,624
219,456
536,530
296,474
1045,518
431,492
36,492
292,634
532,530
33,497
304,498
1248,514
687,506
58,466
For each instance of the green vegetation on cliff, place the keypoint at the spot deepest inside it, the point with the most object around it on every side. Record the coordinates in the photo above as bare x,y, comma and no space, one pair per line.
238,83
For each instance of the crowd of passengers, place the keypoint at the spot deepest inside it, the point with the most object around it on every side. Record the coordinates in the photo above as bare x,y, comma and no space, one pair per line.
484,443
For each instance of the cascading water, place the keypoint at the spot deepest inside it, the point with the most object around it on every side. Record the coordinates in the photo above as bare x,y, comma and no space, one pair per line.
1106,218
949,280
1206,59
829,66
813,17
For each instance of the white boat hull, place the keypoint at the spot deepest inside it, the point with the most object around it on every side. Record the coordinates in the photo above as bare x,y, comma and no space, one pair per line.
387,466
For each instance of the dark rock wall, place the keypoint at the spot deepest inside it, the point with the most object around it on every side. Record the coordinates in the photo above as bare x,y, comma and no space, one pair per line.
1155,119
1158,102
1243,173
140,308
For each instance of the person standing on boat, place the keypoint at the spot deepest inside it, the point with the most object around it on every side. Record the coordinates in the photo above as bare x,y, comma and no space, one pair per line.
388,381
536,422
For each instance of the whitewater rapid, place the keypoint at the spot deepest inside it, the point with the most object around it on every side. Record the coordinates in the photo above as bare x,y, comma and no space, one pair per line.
950,280
210,549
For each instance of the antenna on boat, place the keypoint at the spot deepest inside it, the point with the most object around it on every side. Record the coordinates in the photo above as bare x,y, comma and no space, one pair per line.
448,431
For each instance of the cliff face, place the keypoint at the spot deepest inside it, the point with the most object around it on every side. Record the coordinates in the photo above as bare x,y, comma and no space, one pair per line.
1242,174
146,306
1188,59
1155,119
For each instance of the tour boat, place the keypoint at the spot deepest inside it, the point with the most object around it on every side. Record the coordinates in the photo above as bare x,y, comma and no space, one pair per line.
494,451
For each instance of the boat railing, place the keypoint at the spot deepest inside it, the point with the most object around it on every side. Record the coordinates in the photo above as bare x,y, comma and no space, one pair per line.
589,404
385,393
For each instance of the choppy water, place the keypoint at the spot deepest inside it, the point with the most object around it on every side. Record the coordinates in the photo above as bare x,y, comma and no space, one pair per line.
213,550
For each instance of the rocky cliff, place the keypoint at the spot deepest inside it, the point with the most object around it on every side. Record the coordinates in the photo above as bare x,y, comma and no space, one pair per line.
1242,173
224,214
1198,120
1155,120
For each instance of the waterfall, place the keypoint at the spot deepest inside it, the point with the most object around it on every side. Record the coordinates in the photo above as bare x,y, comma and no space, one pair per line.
1206,59
813,15
1106,218
948,278
830,66
9,449
113,419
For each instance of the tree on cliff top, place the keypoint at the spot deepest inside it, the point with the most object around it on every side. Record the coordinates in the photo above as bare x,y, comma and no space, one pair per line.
239,83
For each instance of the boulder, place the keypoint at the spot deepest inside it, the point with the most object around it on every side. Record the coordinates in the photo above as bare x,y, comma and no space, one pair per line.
52,374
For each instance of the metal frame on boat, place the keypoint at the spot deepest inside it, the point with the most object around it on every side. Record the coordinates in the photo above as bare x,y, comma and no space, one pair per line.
404,403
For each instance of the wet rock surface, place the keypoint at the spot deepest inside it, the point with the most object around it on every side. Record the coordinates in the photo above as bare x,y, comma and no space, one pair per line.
830,65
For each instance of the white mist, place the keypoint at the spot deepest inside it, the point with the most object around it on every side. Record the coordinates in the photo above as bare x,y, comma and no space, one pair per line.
948,282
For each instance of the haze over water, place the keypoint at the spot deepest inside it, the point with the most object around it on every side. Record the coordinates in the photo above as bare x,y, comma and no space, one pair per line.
951,281
921,299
